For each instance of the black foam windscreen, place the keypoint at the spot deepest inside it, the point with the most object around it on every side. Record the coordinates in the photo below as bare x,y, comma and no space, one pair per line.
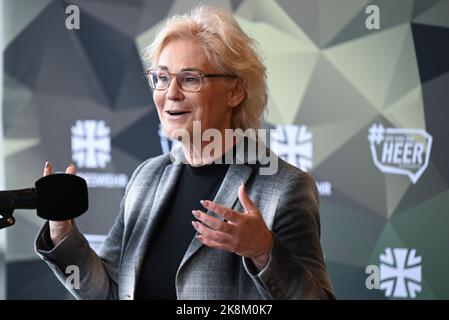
61,196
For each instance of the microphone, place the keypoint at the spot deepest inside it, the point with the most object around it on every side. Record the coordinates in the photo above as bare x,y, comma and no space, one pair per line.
57,197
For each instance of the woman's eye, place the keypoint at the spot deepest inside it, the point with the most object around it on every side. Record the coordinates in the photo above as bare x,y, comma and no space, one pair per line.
162,78
190,80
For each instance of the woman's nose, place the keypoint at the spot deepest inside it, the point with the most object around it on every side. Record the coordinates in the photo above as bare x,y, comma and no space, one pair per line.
174,92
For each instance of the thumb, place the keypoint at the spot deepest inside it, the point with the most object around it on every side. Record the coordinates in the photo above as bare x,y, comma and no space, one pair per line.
71,169
245,200
47,169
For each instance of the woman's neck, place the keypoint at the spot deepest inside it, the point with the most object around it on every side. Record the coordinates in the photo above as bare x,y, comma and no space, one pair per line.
206,152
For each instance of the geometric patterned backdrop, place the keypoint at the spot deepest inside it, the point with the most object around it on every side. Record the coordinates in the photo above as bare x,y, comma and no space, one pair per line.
364,111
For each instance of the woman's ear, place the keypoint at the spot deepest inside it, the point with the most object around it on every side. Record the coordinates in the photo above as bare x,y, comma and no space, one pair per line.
237,93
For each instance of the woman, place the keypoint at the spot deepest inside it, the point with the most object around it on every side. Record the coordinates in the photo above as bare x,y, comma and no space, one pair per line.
250,236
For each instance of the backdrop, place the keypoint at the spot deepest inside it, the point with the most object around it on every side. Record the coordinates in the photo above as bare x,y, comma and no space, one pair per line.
358,97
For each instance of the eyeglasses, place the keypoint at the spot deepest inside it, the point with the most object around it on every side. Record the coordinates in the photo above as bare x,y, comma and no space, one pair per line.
189,81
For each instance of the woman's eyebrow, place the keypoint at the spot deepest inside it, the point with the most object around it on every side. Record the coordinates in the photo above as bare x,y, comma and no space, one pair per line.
183,69
162,67
190,69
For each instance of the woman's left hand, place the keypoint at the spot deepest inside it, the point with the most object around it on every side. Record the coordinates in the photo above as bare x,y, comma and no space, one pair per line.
244,234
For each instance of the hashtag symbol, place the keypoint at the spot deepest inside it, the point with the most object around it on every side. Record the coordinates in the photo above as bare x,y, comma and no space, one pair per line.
376,133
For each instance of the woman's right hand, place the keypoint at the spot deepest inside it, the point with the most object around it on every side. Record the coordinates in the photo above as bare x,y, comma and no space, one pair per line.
59,229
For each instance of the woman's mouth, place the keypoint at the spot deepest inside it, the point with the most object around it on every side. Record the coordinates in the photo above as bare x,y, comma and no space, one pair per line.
175,114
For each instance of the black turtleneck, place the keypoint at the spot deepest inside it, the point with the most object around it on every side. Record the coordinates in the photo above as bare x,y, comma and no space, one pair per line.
175,231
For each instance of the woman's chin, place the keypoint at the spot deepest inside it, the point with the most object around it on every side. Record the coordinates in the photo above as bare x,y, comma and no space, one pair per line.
177,132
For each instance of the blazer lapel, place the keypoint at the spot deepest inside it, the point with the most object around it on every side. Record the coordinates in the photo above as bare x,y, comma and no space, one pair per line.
165,191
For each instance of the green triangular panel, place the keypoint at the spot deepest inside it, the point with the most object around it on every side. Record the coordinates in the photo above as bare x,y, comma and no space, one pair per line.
361,229
371,68
438,15
271,13
407,112
342,13
406,74
17,15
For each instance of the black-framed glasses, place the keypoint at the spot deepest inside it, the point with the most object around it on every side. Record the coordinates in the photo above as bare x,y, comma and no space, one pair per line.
188,80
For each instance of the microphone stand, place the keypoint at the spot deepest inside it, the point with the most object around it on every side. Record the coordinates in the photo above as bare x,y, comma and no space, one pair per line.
8,202
6,218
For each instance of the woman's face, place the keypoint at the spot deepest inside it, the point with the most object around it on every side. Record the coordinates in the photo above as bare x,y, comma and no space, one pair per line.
212,105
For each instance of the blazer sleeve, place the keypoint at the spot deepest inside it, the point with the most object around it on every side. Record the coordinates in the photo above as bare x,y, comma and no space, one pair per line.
296,268
98,274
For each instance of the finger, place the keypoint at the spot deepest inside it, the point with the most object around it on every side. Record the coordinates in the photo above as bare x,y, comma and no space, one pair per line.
212,222
47,169
213,244
245,200
222,211
71,169
206,232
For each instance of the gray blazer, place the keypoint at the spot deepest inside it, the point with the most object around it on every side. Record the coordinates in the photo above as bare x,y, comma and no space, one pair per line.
288,201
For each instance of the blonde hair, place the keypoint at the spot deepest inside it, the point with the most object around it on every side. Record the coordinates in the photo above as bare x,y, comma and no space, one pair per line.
227,47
